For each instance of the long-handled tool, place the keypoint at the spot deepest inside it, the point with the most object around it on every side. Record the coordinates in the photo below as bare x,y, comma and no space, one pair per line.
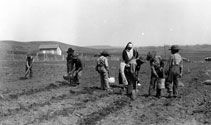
69,77
24,77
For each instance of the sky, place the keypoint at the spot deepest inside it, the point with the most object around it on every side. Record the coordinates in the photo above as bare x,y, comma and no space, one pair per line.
107,22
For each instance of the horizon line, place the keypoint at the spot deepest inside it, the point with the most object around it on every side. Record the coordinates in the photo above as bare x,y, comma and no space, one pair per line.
98,45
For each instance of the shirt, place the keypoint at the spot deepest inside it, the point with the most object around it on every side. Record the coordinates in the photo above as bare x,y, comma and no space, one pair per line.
130,54
77,64
73,64
175,59
29,60
155,64
102,61
126,54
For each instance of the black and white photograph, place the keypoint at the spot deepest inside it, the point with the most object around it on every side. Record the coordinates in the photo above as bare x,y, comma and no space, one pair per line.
105,62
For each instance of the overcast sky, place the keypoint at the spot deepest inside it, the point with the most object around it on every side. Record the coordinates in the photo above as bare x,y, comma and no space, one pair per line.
107,22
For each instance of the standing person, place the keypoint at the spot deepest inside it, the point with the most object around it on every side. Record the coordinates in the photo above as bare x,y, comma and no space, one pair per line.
156,66
69,58
174,70
102,68
129,53
132,78
29,61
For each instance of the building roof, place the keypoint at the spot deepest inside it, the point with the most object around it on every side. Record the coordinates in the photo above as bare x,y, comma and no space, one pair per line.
50,46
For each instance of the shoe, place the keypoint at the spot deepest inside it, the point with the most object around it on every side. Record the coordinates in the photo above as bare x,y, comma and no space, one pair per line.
158,96
109,90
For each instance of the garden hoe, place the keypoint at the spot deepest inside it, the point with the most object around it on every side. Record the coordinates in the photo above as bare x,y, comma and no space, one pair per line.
26,73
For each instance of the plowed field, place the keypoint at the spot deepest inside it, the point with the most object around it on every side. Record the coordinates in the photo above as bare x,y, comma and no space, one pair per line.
46,99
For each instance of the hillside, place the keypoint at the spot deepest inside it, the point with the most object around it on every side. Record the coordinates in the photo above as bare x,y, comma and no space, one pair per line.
103,47
33,47
17,47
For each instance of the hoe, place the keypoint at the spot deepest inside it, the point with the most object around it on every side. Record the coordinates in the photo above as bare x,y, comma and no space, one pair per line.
26,73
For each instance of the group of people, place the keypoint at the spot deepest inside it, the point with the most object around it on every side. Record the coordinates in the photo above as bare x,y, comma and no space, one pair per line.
130,65
167,72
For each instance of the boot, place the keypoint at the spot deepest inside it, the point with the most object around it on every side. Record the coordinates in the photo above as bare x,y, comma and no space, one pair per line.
170,94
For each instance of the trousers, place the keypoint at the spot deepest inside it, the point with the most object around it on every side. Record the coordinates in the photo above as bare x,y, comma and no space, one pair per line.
152,85
30,71
103,78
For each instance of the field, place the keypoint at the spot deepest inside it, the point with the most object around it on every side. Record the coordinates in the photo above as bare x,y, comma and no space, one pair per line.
47,99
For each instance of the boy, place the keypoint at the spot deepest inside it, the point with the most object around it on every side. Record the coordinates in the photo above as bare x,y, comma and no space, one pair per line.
102,68
174,71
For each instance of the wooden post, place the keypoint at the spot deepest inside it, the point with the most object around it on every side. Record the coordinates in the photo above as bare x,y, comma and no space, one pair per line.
63,57
164,47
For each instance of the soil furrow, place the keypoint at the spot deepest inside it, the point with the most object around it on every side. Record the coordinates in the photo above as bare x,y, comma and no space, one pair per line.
16,93
84,115
94,117
36,107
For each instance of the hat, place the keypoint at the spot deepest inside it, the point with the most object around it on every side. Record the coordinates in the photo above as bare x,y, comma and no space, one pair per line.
174,47
151,55
70,50
104,53
141,59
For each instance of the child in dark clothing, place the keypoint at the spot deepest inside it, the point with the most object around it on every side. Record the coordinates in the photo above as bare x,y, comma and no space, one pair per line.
156,65
29,60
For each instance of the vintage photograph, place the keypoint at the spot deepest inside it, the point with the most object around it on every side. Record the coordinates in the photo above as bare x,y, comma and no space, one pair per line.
105,62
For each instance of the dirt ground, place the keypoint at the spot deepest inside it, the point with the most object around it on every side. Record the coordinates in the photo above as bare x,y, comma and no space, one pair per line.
46,99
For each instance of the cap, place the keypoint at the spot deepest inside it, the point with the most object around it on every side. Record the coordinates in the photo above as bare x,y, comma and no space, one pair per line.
104,53
174,47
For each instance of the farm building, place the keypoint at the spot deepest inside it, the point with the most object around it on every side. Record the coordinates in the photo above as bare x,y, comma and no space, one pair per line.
50,52
50,49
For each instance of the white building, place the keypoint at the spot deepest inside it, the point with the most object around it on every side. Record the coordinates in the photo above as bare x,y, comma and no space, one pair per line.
50,49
